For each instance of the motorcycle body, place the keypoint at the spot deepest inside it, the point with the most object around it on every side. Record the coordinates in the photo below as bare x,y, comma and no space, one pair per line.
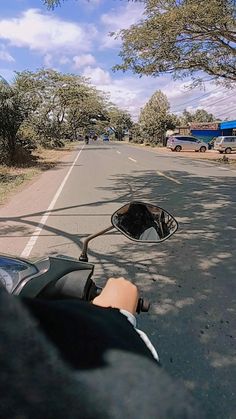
63,277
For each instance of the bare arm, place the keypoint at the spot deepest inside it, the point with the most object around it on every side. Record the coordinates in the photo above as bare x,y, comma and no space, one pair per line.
118,293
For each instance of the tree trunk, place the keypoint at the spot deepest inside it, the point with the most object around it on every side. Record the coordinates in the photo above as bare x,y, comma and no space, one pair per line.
12,148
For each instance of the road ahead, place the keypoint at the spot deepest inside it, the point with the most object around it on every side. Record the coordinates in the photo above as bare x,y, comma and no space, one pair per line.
190,279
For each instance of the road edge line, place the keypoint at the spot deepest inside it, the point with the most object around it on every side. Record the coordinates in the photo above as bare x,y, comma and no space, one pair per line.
33,239
169,178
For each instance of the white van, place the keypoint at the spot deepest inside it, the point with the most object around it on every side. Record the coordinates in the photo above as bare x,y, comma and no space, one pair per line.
225,144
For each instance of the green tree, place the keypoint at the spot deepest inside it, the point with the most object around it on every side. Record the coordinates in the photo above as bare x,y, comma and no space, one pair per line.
155,118
201,115
119,121
44,90
65,104
51,4
85,110
137,134
182,38
47,107
14,109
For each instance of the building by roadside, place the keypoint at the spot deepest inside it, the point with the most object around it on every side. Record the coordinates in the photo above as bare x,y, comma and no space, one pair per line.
205,131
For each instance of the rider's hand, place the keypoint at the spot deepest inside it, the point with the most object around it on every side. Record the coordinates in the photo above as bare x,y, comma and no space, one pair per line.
118,293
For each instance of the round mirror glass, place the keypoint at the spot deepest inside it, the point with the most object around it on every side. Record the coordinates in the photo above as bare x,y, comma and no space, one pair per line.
144,222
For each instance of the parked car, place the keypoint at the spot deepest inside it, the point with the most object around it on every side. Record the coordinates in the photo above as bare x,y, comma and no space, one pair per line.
186,143
225,144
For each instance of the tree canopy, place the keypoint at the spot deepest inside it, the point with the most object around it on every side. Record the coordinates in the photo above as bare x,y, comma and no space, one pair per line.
201,115
119,121
182,37
155,118
52,3
47,107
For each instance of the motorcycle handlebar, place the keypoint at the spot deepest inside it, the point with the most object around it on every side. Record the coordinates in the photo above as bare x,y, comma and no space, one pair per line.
78,284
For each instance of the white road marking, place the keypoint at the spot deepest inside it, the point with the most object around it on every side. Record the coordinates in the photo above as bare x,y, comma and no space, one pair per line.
118,152
168,177
135,161
223,168
28,248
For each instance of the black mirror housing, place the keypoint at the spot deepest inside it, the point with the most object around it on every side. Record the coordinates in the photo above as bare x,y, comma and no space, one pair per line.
144,222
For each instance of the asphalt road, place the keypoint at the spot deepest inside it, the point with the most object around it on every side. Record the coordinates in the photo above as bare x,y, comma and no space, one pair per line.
189,279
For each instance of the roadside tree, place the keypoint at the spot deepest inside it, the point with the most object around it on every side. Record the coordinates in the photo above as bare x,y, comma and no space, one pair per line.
14,109
201,115
155,118
119,121
182,38
66,103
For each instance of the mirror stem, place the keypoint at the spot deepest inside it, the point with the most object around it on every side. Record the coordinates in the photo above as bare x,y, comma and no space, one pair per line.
84,257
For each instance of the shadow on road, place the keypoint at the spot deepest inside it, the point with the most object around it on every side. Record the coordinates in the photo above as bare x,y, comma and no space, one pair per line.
190,279
191,282
92,147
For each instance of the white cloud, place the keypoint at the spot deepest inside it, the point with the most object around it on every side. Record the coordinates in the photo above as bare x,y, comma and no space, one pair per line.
131,93
220,103
214,99
5,55
123,17
64,60
48,60
83,60
46,33
118,19
92,4
97,75
128,93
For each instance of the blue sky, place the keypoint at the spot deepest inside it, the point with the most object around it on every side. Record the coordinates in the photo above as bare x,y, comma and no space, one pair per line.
75,38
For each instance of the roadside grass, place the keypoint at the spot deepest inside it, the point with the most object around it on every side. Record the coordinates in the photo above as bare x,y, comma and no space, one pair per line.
12,178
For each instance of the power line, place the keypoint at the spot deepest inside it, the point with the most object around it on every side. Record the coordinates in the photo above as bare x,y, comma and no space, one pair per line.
217,101
226,112
221,100
196,98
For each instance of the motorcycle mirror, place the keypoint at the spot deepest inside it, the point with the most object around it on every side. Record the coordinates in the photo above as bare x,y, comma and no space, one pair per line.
143,222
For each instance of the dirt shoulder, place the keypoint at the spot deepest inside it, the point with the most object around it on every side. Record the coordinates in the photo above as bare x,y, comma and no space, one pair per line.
14,178
212,155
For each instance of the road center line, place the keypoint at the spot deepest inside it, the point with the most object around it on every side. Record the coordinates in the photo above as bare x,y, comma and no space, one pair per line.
168,177
223,168
118,152
130,158
29,246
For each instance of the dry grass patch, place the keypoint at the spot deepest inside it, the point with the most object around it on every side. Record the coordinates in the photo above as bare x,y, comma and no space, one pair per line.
11,178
